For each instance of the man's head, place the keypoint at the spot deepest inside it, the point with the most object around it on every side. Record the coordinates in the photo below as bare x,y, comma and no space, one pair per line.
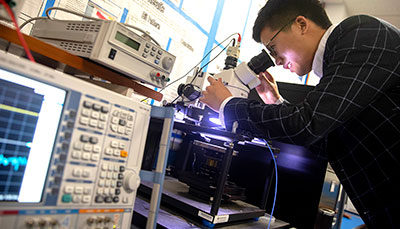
291,31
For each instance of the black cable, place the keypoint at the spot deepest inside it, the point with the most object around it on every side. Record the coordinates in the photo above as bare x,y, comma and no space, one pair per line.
197,73
201,69
175,99
208,53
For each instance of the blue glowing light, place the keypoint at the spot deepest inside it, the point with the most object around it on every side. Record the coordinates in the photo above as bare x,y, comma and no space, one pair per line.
14,161
215,121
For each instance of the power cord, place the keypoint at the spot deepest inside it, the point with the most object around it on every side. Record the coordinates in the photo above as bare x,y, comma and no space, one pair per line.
208,53
276,183
68,11
47,12
201,69
145,34
29,20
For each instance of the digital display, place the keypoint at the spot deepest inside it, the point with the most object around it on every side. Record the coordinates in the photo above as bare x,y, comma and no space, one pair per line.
30,113
128,41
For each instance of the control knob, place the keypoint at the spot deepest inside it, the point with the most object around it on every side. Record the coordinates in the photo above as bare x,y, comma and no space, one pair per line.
107,219
99,220
167,63
42,222
90,220
131,181
30,223
53,222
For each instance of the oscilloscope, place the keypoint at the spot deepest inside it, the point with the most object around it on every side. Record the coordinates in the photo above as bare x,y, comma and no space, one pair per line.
70,151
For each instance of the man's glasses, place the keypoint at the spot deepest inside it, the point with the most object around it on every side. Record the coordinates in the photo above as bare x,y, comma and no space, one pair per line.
271,50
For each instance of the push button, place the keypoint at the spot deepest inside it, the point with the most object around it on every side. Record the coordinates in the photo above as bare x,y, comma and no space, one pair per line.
108,199
124,153
66,198
99,199
112,53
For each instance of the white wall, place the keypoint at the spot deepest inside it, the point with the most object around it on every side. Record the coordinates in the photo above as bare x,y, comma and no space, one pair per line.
186,27
336,12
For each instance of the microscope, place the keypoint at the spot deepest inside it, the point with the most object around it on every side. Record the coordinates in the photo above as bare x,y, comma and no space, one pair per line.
206,150
239,79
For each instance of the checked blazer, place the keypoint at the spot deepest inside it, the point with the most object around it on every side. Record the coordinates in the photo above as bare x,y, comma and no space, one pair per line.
354,111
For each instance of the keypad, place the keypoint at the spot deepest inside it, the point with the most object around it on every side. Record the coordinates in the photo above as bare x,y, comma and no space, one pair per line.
97,153
109,183
116,149
94,115
86,149
76,194
122,122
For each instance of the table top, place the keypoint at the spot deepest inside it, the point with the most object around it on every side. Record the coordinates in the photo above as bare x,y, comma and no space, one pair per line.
170,219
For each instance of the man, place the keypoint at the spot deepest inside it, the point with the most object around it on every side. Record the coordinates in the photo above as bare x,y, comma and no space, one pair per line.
354,110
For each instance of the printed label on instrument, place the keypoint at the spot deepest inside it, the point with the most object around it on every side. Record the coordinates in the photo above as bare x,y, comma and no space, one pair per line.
205,216
221,219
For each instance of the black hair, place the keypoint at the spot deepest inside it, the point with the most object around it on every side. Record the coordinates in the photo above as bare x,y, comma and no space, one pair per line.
277,13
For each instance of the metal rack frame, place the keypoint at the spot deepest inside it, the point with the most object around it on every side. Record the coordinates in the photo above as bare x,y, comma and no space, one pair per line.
157,176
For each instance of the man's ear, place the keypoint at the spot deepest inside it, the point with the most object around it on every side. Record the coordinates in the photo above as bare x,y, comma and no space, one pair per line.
302,23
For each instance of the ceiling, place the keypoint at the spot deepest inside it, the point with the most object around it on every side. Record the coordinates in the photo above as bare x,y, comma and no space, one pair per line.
388,10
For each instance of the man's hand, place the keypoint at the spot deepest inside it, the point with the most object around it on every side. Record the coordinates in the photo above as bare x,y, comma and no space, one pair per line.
268,89
215,94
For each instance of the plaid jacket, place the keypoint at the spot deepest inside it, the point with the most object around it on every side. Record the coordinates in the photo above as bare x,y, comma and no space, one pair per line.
355,110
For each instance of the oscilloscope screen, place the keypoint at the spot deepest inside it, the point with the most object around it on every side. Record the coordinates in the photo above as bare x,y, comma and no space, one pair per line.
19,110
30,112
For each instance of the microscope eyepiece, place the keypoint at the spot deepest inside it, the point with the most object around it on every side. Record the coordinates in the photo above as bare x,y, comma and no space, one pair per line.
261,62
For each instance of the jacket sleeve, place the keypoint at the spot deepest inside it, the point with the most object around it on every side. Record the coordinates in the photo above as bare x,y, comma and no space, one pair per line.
361,62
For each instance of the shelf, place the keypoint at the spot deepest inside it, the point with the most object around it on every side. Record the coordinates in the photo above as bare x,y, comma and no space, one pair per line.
78,63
